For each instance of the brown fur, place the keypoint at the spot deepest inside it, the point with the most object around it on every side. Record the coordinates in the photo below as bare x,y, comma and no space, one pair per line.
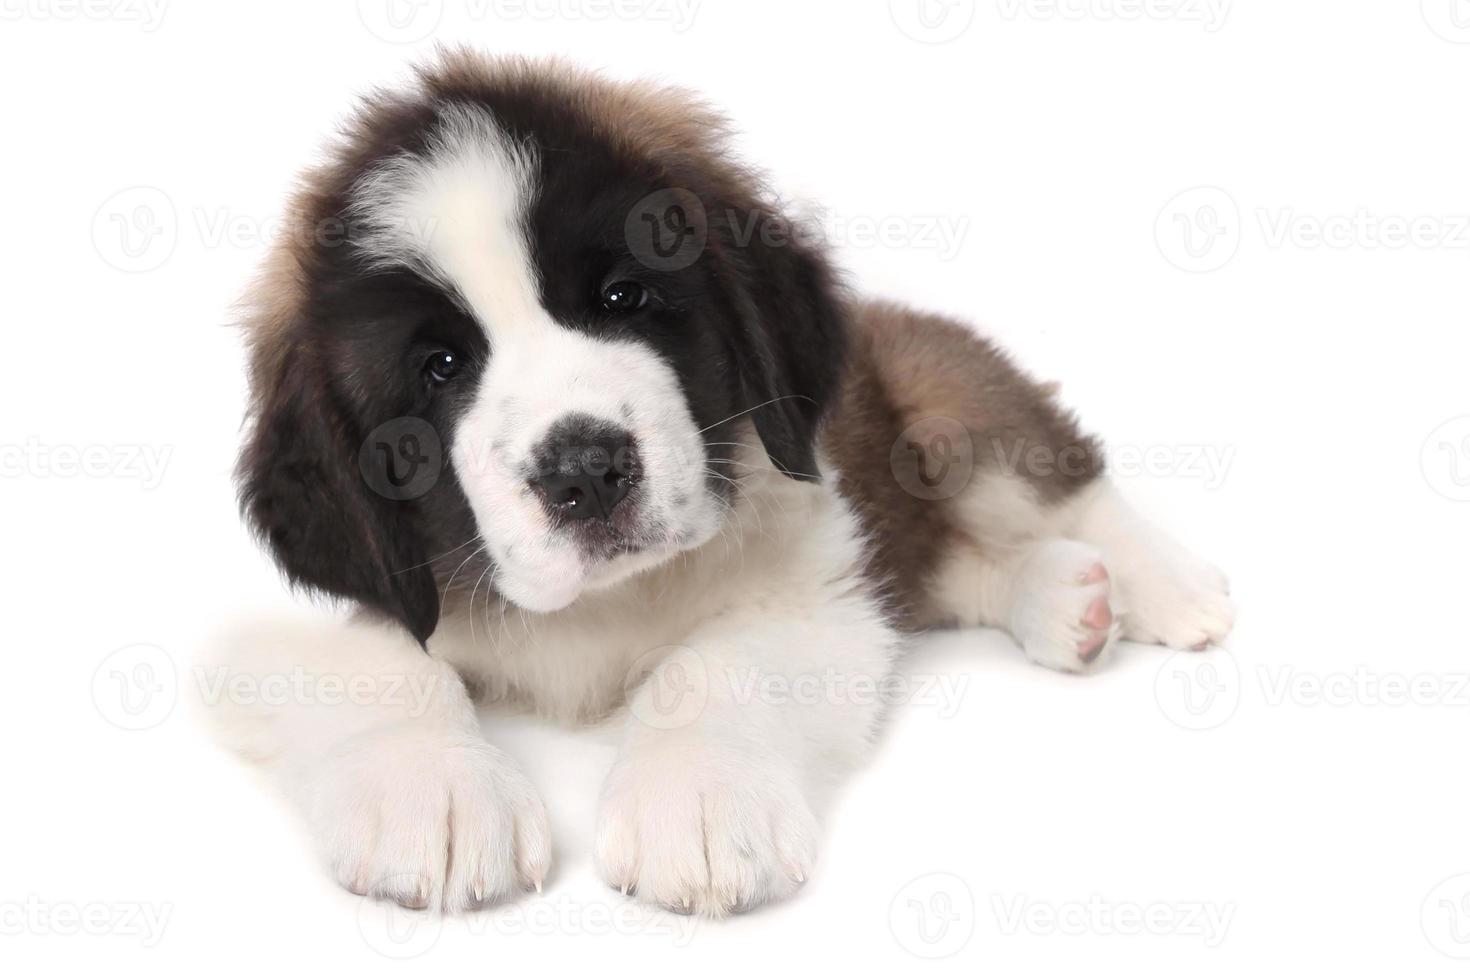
905,367
646,120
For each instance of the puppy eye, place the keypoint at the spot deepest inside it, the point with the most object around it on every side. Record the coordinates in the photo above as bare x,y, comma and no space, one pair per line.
623,297
441,366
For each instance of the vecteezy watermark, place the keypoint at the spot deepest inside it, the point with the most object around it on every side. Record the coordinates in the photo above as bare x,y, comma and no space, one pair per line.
400,21
1209,14
1198,691
1201,691
1208,922
394,931
1361,687
1445,459
95,461
1198,230
136,229
1450,19
402,459
136,688
414,692
669,687
943,234
1363,229
933,916
1208,464
942,692
669,229
147,14
400,933
34,916
932,21
562,915
411,21
933,458
1445,917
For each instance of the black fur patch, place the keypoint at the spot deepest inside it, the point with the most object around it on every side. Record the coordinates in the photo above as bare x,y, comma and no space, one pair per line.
752,325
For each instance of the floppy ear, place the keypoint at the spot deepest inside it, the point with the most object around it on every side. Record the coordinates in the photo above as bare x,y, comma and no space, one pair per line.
303,489
793,337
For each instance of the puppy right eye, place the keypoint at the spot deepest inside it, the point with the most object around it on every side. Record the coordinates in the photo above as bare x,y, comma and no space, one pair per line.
441,366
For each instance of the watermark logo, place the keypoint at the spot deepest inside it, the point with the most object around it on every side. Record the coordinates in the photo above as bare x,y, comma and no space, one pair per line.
942,693
1199,229
933,459
933,916
668,687
1445,917
34,916
136,229
1445,459
392,930
1450,19
1362,229
136,688
1210,14
932,21
1196,691
1208,922
1208,464
146,465
667,230
402,458
413,692
400,21
148,14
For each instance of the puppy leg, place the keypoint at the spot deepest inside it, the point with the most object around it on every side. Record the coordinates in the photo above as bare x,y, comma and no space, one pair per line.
710,806
1068,579
380,747
1054,596
1172,597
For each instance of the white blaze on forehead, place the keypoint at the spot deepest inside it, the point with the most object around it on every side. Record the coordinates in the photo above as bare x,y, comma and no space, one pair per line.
456,214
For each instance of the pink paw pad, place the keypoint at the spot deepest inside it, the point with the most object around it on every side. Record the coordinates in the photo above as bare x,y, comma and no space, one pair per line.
1098,619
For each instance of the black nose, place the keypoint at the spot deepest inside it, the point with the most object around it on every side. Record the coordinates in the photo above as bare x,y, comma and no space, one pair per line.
584,468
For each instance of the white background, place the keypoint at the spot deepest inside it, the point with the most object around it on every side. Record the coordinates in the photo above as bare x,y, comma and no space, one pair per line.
1294,374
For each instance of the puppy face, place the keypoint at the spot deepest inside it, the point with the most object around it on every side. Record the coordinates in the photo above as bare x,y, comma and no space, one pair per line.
567,288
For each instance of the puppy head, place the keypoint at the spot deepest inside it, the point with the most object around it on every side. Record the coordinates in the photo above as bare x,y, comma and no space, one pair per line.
523,317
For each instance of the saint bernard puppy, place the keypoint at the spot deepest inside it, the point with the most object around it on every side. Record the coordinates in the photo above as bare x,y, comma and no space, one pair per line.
549,390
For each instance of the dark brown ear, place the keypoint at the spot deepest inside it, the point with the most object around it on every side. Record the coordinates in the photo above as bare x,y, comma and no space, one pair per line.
305,488
793,339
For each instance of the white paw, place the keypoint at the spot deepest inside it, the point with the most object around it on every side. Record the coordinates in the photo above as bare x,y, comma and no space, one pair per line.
705,836
1175,599
427,820
1064,611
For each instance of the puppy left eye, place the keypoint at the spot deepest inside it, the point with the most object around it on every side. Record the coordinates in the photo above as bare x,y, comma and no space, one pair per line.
623,297
441,366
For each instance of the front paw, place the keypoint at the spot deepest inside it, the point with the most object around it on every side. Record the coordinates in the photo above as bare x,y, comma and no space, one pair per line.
427,820
702,835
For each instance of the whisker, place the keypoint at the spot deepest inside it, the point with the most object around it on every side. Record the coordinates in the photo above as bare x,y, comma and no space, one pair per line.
434,559
753,408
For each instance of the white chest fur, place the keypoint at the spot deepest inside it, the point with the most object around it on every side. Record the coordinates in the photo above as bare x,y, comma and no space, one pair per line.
787,547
